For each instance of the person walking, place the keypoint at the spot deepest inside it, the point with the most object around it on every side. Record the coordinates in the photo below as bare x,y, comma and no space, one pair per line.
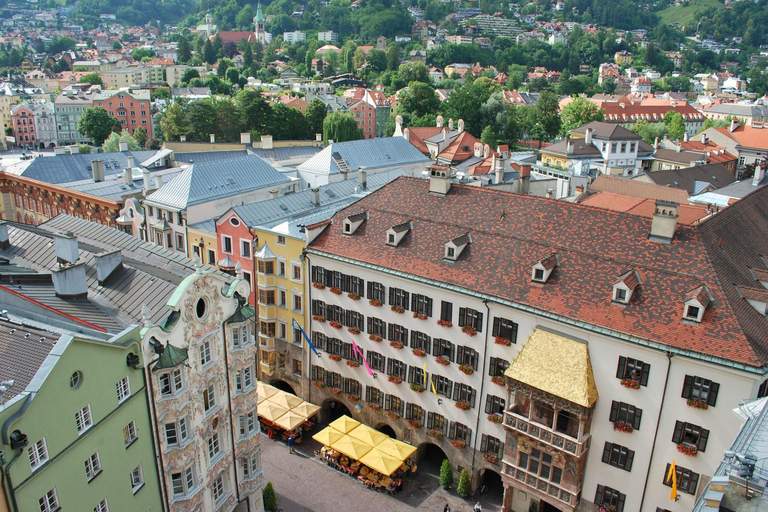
447,508
477,508
291,442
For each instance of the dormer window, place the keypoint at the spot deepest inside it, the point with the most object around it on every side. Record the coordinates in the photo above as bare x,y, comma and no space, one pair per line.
543,268
353,222
696,302
395,234
450,253
454,248
624,288
620,295
391,240
538,274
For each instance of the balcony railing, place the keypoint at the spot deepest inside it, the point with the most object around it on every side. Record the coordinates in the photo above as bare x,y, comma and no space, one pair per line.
546,434
266,342
543,486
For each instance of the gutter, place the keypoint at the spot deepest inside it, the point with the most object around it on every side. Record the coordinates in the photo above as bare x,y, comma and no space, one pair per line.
482,382
761,371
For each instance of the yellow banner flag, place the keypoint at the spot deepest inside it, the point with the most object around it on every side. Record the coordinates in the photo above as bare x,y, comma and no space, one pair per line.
672,477
424,377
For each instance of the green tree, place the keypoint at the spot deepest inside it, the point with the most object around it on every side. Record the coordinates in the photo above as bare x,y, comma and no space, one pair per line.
189,74
112,144
160,94
141,136
315,114
247,55
269,497
224,65
393,58
209,52
649,132
418,99
140,53
579,112
464,489
414,72
202,119
446,474
548,109
233,76
254,111
341,127
489,137
377,60
183,52
173,123
83,149
91,78
97,124
675,124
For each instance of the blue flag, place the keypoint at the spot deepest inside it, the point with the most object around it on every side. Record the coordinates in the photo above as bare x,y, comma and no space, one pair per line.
297,326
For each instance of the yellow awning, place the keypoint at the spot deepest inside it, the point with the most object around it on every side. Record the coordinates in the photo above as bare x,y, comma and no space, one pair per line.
381,462
556,364
396,449
344,424
265,390
290,420
270,410
351,447
306,409
284,399
368,435
327,436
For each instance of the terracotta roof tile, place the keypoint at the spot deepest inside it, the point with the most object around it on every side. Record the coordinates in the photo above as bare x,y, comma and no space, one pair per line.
688,214
636,188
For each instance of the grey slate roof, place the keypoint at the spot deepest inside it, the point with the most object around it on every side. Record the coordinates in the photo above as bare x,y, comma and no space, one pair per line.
21,354
714,174
114,186
208,156
288,153
207,181
367,153
68,168
738,110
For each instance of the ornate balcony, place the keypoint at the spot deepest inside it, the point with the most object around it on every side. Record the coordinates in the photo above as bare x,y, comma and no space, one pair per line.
532,480
266,342
552,437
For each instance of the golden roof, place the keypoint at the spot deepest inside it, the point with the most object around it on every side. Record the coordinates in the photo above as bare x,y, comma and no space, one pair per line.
557,365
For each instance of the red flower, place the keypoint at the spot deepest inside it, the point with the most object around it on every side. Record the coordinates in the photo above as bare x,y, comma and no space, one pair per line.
443,360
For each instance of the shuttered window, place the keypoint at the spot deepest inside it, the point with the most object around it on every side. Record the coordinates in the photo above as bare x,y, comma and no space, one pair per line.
687,480
618,456
421,304
472,318
610,497
634,369
699,388
398,297
421,341
504,328
626,413
376,291
691,434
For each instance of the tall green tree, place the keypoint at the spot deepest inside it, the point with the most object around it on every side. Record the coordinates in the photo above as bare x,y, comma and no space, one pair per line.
579,112
548,109
97,124
675,124
91,78
393,58
112,144
254,111
209,52
418,99
202,119
173,123
183,52
141,136
446,474
341,127
315,114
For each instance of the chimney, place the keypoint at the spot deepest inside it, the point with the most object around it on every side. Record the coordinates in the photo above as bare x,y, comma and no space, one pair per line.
677,146
439,121
66,248
486,150
664,221
273,194
498,163
656,143
266,142
131,161
550,193
685,137
128,175
182,138
145,175
588,136
461,125
759,175
69,282
213,138
245,138
107,264
704,138
314,196
123,146
407,134
450,124
97,169
525,178
318,137
439,181
362,178
398,124
569,147
477,149
158,181
734,125
4,240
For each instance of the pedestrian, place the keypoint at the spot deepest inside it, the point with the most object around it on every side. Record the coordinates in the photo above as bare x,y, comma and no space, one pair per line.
447,508
478,508
291,440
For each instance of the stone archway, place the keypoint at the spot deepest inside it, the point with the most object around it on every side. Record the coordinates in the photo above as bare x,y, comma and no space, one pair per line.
430,457
283,386
492,487
332,409
386,429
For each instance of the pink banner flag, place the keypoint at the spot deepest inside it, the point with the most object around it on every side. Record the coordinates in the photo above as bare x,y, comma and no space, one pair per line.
357,350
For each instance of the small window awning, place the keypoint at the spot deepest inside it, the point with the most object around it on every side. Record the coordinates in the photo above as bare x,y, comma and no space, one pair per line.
558,365
161,225
227,263
124,220
171,357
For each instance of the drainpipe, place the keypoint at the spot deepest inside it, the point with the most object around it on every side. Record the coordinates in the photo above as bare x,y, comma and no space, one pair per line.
231,410
482,380
156,434
670,355
7,474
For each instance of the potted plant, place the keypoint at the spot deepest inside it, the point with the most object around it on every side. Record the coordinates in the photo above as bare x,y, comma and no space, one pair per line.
398,309
466,369
318,318
375,337
335,290
395,378
606,508
353,398
443,360
697,403
419,353
396,344
353,296
469,330
463,405
458,443
502,341
495,418
353,364
392,415
416,424
334,357
336,391
318,384
623,427
498,379
687,449
630,383
375,303
444,323
417,387
374,406
491,457
354,330
420,316
335,324
437,434
319,286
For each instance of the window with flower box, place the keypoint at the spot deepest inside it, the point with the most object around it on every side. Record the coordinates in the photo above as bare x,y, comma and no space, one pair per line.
633,369
318,373
464,393
490,444
396,368
352,387
348,353
505,328
333,380
610,497
415,412
374,396
416,375
318,274
376,291
335,313
618,456
318,340
318,308
397,333
437,422
443,348
333,346
626,413
467,355
421,341
497,367
690,434
421,304
376,361
398,297
472,318
377,326
687,480
701,389
443,386
395,404
446,311
494,404
460,432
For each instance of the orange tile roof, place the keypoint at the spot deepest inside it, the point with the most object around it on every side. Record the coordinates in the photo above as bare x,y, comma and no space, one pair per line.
456,150
751,137
688,214
417,135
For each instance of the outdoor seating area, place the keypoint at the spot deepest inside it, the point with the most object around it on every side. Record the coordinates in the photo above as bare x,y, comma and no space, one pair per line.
374,458
283,414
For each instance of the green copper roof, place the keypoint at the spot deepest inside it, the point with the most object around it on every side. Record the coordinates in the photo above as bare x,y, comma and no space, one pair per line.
241,315
259,13
171,357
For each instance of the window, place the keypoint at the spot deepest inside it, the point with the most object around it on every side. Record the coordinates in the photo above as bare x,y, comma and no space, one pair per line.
687,480
243,379
129,433
296,272
443,348
213,446
618,456
355,319
266,267
171,382
613,147
497,367
608,496
251,466
267,296
633,369
374,395
137,479
538,274
692,312
489,444
281,268
621,295
398,297
92,466
102,506
176,432
421,304
226,242
352,387
436,421
75,380
472,318
690,434
209,398
394,403
494,404
49,502
281,239
179,241
248,424
446,311
397,368
376,361
123,389
183,482
464,393
376,291
467,355
218,488
442,385
205,353
625,413
245,248
83,419
421,341
698,388
398,333
460,432
504,328
211,257
377,326
282,298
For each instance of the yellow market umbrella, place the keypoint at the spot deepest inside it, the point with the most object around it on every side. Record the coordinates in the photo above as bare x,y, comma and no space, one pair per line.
265,390
368,435
381,462
327,436
306,409
270,410
344,424
396,449
351,447
284,399
290,420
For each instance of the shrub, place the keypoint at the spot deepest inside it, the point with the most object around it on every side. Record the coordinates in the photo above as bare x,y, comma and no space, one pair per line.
446,475
464,488
269,496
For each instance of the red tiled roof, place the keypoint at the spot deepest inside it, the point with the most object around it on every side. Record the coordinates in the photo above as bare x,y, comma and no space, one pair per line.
631,112
456,151
637,188
688,214
750,137
594,247
417,135
228,36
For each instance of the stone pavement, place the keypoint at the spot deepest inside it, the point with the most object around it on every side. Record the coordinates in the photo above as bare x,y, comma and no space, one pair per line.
305,484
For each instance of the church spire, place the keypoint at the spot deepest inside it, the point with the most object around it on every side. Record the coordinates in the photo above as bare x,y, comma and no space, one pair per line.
259,13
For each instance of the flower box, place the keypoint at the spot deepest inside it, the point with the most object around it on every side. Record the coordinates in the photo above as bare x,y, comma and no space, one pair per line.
420,316
498,379
375,337
419,353
375,303
457,443
687,449
443,360
606,508
397,309
491,457
336,391
354,330
396,344
353,398
630,383
437,434
463,405
335,324
502,341
466,369
374,406
417,387
495,418
698,404
334,357
392,415
469,330
318,384
416,424
396,379
353,296
353,364
444,323
335,290
623,427
318,318
319,286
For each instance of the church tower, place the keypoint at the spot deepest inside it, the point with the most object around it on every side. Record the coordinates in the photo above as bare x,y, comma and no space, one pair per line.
261,31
